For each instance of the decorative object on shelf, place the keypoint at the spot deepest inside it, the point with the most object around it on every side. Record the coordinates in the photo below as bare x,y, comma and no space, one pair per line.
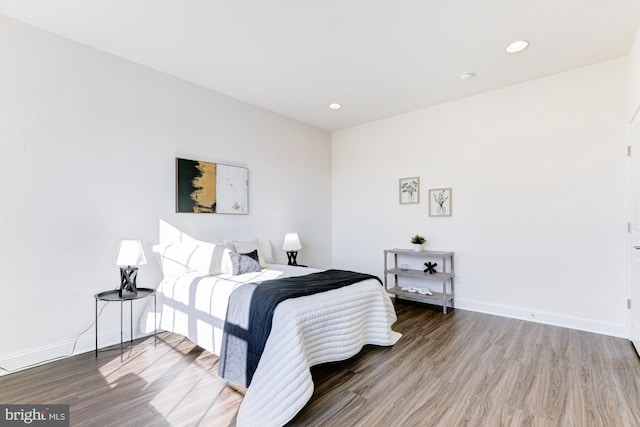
291,245
431,267
409,190
205,187
413,289
440,202
130,255
418,241
404,267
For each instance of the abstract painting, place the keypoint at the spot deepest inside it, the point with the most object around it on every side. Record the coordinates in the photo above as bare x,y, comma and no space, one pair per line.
205,187
440,202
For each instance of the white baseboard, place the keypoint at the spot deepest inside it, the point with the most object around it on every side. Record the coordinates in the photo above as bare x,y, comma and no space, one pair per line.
621,331
19,361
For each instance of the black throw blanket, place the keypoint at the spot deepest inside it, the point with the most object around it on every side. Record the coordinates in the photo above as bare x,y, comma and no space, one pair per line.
250,314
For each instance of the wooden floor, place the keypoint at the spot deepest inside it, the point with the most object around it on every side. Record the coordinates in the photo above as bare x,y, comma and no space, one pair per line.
462,369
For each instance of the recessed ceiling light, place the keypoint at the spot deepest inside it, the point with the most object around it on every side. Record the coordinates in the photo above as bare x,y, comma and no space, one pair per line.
517,46
335,106
466,75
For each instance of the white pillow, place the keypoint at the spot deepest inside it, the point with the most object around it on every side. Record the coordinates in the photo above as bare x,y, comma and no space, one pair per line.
229,245
265,247
250,246
203,257
175,257
226,266
212,259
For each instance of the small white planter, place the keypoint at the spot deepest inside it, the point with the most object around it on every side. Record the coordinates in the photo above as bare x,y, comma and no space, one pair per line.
417,247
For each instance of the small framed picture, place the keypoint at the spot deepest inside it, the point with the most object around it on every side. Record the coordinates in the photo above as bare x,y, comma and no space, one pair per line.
409,190
440,202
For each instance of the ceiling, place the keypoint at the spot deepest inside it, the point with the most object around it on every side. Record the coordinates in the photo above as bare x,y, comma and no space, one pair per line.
377,58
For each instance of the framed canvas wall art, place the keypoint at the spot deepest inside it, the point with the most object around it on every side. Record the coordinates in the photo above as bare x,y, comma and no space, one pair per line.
409,190
206,187
440,202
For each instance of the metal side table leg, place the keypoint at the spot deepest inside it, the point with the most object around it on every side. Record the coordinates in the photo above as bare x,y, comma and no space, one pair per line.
131,319
96,323
121,347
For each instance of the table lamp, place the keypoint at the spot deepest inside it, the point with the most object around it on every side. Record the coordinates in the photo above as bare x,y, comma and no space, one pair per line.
292,246
130,255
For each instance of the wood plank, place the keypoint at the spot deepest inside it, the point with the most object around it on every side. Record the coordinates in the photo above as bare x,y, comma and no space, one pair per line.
463,368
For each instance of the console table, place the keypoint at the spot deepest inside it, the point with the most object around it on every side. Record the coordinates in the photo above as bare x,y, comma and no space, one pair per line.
446,276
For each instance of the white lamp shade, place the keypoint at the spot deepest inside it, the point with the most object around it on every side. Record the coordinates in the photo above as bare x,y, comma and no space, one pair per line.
130,252
291,242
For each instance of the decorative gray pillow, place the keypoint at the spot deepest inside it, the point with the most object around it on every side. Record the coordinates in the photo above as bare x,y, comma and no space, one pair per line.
253,254
244,264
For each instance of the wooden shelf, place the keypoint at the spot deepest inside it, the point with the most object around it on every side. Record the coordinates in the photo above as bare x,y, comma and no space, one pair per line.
419,274
445,277
427,254
415,296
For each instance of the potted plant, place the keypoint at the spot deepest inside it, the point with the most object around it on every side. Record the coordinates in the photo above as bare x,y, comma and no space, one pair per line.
418,241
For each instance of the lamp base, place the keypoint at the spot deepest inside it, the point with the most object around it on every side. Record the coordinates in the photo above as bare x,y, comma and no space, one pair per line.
292,255
128,277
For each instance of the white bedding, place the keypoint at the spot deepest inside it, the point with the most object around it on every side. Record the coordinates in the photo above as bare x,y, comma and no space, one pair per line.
325,327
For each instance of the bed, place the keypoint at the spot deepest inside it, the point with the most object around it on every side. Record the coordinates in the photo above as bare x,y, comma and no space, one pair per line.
193,300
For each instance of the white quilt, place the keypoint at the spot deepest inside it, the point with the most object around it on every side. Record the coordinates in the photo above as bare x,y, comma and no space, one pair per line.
325,327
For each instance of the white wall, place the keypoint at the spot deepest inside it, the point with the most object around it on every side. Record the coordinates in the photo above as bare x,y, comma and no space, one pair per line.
538,172
634,70
87,152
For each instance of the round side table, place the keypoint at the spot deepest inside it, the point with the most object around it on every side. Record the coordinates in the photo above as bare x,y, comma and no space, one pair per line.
112,296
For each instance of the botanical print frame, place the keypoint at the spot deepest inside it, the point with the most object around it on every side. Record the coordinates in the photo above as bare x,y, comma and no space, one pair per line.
205,187
409,190
440,201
